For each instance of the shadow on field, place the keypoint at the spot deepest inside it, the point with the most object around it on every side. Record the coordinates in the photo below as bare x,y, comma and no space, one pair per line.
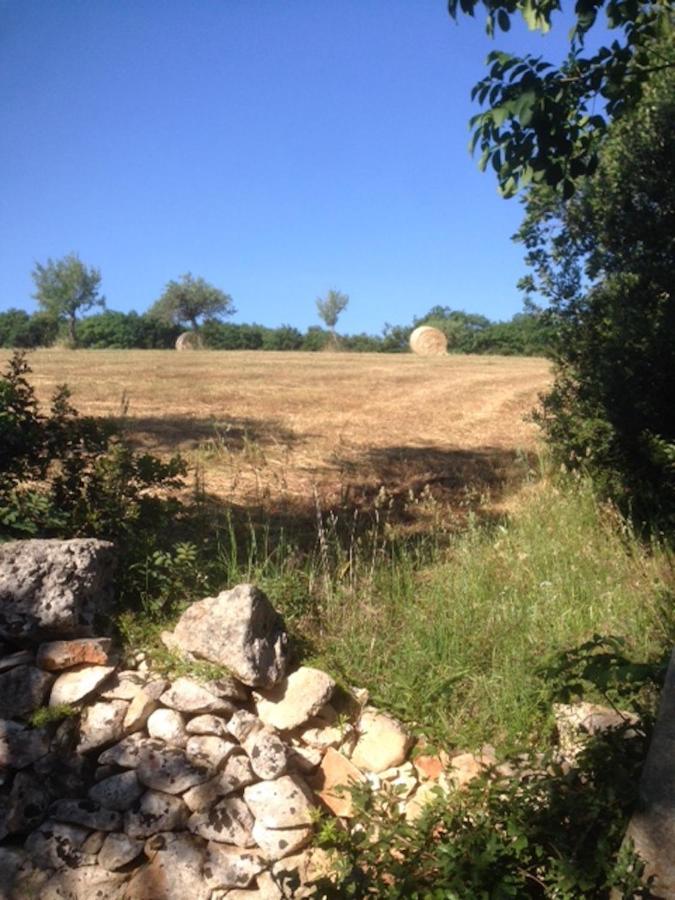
184,432
454,478
412,490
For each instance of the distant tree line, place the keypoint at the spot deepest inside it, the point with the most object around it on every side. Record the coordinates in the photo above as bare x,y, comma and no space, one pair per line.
526,334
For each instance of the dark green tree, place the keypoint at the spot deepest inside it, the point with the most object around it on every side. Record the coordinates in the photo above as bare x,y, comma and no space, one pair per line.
605,261
65,287
546,123
189,300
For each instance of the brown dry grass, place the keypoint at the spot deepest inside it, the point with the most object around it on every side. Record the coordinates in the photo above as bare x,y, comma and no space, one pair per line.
269,429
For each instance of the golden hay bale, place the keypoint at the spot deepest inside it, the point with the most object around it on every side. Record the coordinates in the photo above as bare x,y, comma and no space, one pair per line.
189,340
428,341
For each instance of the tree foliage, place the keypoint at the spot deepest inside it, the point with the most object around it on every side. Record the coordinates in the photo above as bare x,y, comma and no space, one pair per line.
65,287
546,123
189,300
330,307
605,261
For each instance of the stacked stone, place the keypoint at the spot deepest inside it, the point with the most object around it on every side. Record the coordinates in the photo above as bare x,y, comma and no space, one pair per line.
167,790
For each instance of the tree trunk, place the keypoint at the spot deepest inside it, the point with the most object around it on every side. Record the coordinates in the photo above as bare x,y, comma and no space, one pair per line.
71,331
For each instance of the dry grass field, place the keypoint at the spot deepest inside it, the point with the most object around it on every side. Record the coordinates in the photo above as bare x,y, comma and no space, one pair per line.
275,429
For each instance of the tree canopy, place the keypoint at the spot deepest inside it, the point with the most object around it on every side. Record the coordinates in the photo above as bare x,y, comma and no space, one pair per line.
330,307
65,287
545,123
189,300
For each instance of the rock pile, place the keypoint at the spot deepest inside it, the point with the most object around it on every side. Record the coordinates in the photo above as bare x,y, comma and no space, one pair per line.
118,783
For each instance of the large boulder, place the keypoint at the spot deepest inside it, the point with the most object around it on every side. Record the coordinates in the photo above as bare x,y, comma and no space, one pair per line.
238,629
51,588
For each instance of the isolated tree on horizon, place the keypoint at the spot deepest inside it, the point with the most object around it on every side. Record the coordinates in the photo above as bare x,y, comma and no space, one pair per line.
65,287
186,301
329,309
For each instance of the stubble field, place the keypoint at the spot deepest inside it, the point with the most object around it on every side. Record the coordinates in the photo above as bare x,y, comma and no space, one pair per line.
280,429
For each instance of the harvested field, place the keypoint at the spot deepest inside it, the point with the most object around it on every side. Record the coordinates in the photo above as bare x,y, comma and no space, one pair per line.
270,429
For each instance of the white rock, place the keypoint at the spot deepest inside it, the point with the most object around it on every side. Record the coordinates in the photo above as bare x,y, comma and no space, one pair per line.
189,696
167,725
231,867
296,699
119,850
209,750
208,724
84,883
170,770
129,752
276,843
77,683
236,775
267,752
228,822
174,872
155,812
284,803
143,704
87,814
383,742
101,723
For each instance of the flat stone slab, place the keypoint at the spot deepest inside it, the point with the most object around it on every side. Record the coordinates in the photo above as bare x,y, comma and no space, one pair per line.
228,822
170,770
284,803
53,588
77,683
56,655
155,812
188,696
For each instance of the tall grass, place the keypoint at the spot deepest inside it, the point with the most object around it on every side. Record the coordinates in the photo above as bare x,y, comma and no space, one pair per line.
449,631
457,644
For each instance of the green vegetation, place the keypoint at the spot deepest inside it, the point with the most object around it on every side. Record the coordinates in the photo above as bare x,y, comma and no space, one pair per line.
48,715
546,124
330,308
189,300
65,287
605,261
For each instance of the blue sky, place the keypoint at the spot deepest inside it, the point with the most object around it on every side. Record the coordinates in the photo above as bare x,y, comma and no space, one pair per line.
277,148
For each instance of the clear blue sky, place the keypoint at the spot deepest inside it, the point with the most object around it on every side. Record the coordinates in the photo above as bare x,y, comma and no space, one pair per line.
277,148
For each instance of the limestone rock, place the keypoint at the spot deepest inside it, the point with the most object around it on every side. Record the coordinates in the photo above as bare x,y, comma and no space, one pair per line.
118,792
155,812
577,722
304,759
238,629
57,655
229,687
209,750
52,588
174,872
383,742
208,724
267,752
189,696
305,868
170,770
130,751
87,814
428,792
143,704
295,699
465,767
276,843
23,689
168,725
236,774
101,723
83,884
332,780
20,746
27,803
94,842
119,850
228,822
123,686
57,844
284,803
431,767
231,867
242,724
77,683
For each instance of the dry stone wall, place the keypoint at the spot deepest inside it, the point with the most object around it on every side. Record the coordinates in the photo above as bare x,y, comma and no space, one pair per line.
157,789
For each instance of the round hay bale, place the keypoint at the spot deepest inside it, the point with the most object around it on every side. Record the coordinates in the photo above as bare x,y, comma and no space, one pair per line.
189,340
428,341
